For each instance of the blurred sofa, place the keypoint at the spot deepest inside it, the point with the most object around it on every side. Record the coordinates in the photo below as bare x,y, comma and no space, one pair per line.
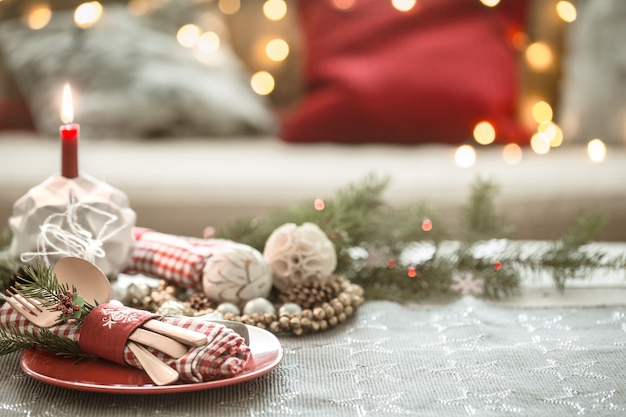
191,157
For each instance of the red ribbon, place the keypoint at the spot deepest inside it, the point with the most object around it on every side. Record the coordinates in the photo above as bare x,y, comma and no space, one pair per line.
106,329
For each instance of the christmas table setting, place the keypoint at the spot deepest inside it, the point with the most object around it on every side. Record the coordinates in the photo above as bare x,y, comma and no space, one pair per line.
345,306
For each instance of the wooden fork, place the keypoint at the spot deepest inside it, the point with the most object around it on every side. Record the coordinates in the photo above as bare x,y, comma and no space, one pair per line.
32,310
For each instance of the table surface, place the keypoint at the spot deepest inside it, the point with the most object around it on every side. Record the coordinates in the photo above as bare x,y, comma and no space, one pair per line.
463,358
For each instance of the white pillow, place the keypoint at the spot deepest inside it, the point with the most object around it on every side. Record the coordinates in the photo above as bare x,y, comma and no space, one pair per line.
131,79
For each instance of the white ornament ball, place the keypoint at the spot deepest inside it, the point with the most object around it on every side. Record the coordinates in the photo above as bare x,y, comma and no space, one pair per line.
236,273
260,306
297,254
81,217
231,308
289,308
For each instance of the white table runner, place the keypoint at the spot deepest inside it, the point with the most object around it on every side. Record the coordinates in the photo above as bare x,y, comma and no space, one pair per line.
466,358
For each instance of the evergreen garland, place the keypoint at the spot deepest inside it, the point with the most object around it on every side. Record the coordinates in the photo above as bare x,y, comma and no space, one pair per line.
372,240
357,217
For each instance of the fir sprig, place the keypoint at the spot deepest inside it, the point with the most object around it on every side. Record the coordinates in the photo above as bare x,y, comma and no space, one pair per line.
42,284
14,339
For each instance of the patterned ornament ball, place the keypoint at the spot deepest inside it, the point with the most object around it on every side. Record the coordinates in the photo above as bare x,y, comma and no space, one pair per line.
297,254
236,273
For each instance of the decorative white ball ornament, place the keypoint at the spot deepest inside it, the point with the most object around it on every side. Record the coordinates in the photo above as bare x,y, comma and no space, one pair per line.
289,308
231,308
81,217
236,273
297,254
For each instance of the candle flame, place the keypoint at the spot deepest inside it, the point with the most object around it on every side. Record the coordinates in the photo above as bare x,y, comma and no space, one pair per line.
67,109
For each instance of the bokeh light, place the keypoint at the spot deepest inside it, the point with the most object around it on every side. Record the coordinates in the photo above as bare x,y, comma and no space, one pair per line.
484,133
490,3
262,83
275,9
539,56
319,204
551,133
343,4
188,35
38,16
566,11
403,5
465,156
277,50
209,42
88,14
542,111
512,154
229,6
411,272
596,150
539,144
140,7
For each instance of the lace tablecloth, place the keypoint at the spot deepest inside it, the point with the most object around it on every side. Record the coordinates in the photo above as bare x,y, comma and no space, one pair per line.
465,358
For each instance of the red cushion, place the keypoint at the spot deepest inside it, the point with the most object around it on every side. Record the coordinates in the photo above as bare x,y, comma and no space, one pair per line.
375,74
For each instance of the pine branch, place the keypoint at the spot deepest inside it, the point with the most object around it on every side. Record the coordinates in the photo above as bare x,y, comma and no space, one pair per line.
481,218
12,339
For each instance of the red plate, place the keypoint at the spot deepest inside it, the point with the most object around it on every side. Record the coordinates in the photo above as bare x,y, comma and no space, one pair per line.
109,377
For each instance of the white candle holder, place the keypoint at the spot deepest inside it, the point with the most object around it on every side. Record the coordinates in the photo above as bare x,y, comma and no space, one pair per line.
80,216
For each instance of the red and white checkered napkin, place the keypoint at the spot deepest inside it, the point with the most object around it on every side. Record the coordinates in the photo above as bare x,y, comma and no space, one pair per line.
177,259
225,355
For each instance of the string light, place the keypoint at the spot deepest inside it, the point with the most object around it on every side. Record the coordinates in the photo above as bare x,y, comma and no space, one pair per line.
490,3
539,144
566,11
140,7
209,42
512,154
551,133
188,35
275,9
403,5
277,50
88,14
596,149
484,133
229,6
343,4
411,272
262,83
465,156
542,111
38,17
539,56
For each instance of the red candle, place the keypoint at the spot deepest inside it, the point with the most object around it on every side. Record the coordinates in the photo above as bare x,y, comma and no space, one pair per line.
69,133
69,150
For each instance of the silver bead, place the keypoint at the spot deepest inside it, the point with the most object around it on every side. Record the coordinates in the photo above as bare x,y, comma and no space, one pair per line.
289,308
259,305
228,308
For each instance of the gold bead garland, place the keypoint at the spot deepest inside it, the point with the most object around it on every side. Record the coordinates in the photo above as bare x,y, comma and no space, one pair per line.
323,306
314,319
